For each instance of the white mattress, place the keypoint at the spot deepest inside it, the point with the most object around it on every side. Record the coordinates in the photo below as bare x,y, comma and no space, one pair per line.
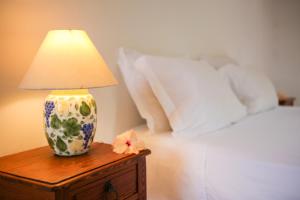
255,159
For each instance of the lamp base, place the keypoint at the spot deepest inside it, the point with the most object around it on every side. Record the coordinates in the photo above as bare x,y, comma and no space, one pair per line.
70,118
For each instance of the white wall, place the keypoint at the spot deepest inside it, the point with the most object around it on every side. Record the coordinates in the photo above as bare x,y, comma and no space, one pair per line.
238,28
286,46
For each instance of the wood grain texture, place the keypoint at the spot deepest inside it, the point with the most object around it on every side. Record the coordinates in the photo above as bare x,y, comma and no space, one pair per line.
38,173
16,190
42,165
142,188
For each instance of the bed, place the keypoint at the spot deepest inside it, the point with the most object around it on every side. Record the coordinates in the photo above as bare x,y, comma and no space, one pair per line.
256,158
229,138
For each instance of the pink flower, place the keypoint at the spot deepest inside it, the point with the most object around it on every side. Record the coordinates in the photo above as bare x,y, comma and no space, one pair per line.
128,143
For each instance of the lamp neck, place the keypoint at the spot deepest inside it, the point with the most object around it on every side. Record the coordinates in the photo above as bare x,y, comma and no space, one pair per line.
70,92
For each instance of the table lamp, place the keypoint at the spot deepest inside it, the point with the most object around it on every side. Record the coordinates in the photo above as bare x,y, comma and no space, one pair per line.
68,63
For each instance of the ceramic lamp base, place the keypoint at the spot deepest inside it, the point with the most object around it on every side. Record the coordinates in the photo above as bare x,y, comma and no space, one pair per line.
70,118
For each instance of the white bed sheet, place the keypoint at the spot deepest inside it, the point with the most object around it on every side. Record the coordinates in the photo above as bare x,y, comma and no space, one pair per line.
255,159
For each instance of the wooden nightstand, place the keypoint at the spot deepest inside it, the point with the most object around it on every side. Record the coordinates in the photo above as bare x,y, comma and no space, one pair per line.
287,101
99,174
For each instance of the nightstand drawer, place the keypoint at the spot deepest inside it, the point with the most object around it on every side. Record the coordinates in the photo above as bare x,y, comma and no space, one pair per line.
122,184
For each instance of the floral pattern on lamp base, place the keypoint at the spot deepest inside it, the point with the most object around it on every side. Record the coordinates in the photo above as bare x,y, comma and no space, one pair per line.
70,123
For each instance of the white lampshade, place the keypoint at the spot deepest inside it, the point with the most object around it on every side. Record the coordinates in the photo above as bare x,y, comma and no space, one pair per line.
67,59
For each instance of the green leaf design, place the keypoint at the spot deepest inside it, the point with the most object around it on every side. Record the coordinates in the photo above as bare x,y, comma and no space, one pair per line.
55,122
84,109
71,127
60,144
50,141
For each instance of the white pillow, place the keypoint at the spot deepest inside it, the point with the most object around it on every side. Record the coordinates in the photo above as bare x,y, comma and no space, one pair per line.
195,97
218,61
254,90
141,92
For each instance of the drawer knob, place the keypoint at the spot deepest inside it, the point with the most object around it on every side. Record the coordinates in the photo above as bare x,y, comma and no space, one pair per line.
110,192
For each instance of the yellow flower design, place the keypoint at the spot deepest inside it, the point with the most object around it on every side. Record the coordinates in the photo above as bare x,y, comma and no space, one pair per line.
63,108
76,145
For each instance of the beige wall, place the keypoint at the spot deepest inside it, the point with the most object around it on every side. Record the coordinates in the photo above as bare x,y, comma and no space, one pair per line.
286,46
238,28
23,26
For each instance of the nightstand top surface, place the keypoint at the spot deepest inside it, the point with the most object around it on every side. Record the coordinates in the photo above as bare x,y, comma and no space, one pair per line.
43,166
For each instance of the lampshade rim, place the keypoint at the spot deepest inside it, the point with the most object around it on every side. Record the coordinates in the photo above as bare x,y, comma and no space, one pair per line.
69,88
